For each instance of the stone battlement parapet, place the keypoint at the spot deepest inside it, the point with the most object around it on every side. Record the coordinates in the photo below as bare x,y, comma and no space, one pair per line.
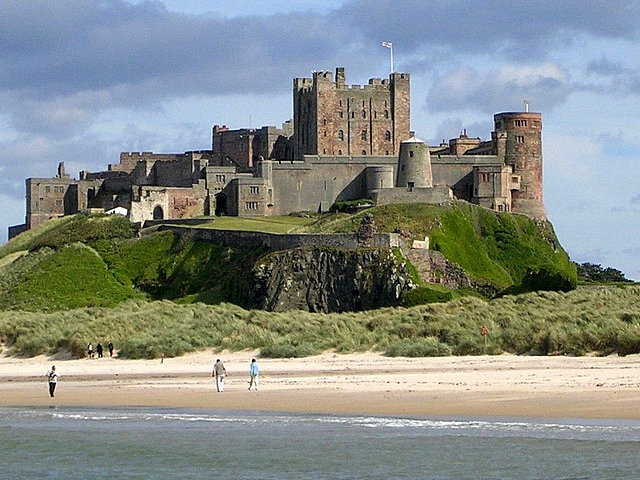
278,241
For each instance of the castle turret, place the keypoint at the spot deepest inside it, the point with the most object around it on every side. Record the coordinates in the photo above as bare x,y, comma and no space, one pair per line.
414,165
523,152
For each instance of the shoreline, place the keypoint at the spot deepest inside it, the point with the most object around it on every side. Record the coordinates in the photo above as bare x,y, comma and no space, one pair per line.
353,384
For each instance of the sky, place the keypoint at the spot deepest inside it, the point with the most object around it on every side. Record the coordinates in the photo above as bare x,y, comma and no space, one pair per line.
81,81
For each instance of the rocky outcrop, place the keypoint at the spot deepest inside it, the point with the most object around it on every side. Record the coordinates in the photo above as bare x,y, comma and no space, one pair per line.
433,267
329,280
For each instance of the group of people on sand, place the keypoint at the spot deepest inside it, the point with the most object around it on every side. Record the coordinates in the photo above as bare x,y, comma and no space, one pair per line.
219,372
99,350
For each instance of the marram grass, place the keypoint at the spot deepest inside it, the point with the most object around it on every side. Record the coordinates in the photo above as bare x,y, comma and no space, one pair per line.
601,321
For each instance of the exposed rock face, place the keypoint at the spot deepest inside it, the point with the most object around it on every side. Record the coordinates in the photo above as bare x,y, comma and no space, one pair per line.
435,268
329,280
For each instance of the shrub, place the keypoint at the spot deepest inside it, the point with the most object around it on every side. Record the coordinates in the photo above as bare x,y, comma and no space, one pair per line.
418,347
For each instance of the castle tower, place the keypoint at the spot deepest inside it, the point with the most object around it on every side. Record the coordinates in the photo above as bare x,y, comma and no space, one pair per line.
333,118
520,135
414,165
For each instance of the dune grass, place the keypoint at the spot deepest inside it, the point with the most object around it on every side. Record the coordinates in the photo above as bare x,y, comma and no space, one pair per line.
600,321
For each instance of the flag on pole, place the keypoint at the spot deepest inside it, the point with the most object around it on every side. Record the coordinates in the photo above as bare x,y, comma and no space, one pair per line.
387,44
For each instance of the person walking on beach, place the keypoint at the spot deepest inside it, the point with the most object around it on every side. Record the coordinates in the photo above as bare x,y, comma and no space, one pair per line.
99,350
52,376
219,372
254,371
89,350
110,347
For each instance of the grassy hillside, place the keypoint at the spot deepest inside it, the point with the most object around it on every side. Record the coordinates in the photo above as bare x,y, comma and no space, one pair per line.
498,248
603,321
99,261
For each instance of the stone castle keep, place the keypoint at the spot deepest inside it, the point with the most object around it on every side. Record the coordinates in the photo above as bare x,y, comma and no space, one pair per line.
346,142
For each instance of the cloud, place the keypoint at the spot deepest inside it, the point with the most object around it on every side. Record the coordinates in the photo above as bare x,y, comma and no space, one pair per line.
492,27
545,86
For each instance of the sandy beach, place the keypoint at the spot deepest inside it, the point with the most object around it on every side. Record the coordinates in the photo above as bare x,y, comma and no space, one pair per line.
505,385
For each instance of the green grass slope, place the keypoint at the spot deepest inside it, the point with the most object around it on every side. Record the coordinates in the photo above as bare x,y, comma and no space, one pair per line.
80,261
497,248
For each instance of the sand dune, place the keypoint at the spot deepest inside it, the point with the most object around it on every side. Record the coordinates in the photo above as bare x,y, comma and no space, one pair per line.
587,387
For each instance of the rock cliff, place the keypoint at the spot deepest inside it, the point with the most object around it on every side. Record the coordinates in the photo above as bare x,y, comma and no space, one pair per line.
329,280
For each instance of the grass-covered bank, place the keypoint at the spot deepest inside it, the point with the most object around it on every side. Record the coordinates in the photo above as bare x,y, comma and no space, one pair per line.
603,321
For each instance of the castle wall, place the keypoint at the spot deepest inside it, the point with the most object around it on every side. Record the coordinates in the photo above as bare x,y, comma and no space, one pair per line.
457,172
417,195
171,202
318,182
276,241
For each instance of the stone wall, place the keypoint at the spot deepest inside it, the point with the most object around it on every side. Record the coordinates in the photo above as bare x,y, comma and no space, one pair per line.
275,241
417,195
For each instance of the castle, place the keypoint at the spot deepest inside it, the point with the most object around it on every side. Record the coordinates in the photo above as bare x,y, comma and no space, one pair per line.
346,142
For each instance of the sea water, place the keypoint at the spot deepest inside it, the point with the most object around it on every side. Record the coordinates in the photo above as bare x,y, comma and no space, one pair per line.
65,443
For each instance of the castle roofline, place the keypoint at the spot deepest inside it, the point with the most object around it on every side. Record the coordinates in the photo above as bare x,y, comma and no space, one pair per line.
413,139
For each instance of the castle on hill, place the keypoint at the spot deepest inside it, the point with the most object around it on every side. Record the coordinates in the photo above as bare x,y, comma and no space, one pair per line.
345,142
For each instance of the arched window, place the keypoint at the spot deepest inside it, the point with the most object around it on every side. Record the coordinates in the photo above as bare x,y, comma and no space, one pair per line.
340,135
364,152
363,135
386,114
387,136
339,152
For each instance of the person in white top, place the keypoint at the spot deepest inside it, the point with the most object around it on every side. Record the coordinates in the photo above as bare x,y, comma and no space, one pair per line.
52,375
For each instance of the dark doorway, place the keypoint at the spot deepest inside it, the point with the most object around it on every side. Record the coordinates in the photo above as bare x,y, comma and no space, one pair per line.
158,214
221,204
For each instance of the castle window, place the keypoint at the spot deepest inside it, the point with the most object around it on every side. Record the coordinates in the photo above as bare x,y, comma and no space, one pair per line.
251,205
500,208
324,150
364,114
363,135
325,133
519,139
386,114
363,103
47,189
220,178
341,114
254,190
340,135
324,122
299,185
375,114
387,136
364,152
520,123
58,189
411,153
386,152
339,152
325,185
340,102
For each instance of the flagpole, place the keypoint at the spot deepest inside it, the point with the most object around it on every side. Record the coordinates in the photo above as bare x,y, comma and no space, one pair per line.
389,45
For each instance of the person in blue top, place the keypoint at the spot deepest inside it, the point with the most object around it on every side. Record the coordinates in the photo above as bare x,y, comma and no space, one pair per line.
254,371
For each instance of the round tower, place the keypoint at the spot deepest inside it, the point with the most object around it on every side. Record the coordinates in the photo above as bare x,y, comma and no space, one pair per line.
519,141
414,165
